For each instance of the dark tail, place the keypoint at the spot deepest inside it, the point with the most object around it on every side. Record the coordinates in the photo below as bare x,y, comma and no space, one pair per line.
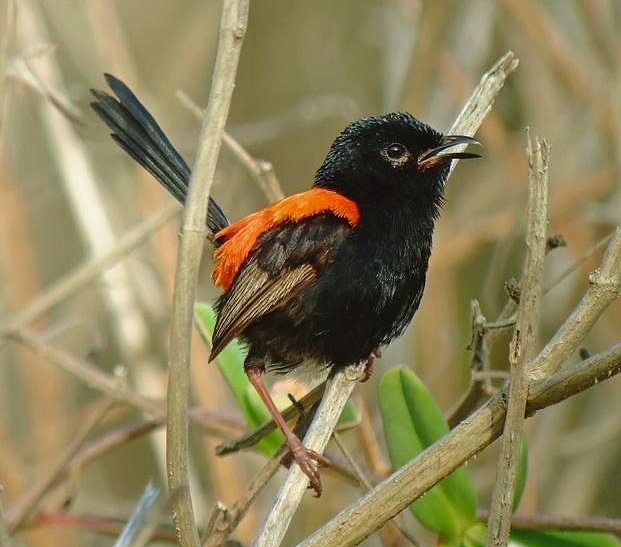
137,132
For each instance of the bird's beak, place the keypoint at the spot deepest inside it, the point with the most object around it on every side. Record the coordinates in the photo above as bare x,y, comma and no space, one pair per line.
434,156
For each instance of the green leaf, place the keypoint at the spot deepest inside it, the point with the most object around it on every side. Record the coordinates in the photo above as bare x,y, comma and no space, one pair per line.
412,421
231,364
231,358
552,538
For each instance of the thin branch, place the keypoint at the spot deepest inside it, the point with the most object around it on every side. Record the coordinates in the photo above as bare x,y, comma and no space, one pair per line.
224,521
391,532
479,363
338,390
557,522
574,378
254,436
87,272
522,345
26,504
604,287
232,30
480,102
261,170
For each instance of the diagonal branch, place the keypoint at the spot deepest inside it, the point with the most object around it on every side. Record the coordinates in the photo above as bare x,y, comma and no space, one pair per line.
411,481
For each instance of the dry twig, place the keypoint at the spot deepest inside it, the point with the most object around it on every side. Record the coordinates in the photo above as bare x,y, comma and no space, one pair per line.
232,30
522,345
391,496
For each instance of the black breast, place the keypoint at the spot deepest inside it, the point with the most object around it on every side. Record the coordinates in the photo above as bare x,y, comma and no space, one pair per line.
366,295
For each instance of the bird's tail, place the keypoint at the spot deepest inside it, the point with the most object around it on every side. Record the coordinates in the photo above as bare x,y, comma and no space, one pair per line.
137,132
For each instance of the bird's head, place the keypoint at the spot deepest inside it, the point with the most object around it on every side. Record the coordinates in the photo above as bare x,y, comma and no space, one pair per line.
391,158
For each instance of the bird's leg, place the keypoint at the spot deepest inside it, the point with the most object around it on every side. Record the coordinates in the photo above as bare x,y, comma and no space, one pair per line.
305,458
368,366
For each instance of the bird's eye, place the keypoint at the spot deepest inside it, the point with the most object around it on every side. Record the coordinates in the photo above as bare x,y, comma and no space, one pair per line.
395,151
396,154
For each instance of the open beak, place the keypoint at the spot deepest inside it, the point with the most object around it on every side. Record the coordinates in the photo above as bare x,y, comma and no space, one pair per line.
434,156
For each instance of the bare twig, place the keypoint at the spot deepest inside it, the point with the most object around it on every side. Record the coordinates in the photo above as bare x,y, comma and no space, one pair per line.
262,171
522,345
26,504
574,378
338,390
224,521
254,436
479,362
557,522
232,30
480,102
391,533
604,287
408,483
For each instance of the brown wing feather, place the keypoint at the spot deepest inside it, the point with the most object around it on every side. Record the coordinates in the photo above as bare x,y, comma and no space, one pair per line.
256,294
290,257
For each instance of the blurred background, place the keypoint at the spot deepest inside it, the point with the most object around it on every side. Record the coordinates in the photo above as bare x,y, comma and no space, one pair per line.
70,195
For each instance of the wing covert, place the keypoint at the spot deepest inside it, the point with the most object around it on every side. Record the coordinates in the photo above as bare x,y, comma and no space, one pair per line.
289,257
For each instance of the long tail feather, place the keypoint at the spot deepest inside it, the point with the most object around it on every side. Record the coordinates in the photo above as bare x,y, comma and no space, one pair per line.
137,132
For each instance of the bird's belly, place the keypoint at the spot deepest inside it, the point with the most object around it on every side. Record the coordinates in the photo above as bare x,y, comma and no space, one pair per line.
371,306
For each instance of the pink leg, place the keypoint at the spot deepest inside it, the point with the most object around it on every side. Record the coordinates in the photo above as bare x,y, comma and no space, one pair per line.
305,458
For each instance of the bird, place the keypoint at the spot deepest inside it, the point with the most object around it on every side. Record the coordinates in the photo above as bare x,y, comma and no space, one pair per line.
326,276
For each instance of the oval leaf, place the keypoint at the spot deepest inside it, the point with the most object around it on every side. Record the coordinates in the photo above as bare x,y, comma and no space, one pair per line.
412,421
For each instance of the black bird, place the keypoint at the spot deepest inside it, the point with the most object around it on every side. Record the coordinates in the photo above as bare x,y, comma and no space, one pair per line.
325,276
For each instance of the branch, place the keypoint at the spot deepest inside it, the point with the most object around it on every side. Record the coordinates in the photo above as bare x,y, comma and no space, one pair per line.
261,170
408,483
557,522
224,521
340,388
480,102
522,345
604,287
232,29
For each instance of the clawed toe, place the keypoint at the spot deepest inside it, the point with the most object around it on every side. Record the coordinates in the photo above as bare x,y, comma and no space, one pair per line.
309,462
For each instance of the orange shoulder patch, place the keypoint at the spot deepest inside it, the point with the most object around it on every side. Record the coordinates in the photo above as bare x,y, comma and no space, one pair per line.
238,239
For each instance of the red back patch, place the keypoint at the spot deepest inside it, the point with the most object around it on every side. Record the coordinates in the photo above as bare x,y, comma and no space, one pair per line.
238,239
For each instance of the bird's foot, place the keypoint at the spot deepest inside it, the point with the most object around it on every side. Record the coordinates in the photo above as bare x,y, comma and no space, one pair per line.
308,460
368,366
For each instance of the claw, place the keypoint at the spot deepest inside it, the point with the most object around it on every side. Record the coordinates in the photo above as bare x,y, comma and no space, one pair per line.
368,366
308,460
